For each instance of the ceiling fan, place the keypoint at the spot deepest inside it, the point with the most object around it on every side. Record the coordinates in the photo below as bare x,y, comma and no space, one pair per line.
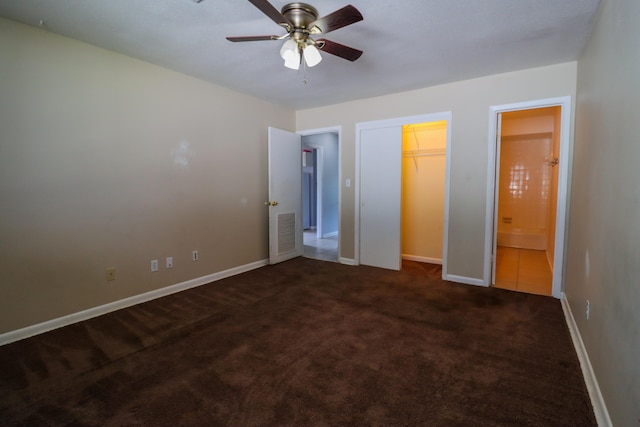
301,21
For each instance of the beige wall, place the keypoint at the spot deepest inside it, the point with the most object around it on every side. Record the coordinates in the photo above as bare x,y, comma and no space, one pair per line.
94,149
604,228
469,102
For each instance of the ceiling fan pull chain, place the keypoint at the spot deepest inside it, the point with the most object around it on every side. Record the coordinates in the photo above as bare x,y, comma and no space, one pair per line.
303,66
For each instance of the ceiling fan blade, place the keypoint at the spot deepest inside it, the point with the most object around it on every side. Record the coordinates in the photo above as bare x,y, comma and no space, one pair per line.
273,13
340,18
338,49
252,38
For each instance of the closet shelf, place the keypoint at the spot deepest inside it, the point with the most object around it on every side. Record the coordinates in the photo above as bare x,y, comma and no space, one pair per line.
424,153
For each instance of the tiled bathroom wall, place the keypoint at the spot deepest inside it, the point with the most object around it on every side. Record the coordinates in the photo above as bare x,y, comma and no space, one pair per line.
525,178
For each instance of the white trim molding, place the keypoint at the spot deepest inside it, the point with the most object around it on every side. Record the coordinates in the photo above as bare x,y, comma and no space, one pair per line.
70,319
465,280
597,400
424,259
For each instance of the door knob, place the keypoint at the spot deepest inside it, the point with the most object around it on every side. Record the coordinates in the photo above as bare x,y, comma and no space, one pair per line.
271,203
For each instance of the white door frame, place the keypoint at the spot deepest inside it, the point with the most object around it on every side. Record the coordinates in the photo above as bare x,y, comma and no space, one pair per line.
320,160
401,121
563,185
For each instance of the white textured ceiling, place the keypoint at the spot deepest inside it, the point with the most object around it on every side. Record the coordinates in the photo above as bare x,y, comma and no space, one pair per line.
407,44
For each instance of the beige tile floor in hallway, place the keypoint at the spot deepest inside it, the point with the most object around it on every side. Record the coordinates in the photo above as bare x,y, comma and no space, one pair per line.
523,270
323,249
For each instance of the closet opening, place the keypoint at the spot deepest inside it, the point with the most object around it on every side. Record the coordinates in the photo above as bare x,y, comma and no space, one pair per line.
424,149
379,189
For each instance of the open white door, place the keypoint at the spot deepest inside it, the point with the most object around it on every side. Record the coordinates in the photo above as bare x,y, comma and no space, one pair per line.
285,195
380,197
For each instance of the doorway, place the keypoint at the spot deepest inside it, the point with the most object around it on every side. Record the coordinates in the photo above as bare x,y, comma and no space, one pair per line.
529,154
379,164
321,194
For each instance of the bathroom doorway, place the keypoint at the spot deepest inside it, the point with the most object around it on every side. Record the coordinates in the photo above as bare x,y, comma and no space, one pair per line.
527,192
529,199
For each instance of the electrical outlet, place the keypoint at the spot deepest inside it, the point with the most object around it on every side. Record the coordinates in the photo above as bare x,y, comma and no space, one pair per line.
154,265
169,263
588,309
110,274
195,256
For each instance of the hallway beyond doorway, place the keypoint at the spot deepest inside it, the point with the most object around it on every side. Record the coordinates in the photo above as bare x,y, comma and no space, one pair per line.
321,249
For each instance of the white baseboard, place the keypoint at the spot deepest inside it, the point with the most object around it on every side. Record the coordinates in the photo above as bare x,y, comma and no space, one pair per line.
422,259
347,261
50,325
465,280
597,400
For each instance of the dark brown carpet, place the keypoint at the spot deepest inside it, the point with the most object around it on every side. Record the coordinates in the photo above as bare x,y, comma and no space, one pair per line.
306,343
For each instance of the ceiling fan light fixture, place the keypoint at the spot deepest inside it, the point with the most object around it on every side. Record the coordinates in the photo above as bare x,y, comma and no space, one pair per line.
312,55
301,21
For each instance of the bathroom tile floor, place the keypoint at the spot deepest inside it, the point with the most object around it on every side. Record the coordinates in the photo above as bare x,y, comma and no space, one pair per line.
323,249
523,270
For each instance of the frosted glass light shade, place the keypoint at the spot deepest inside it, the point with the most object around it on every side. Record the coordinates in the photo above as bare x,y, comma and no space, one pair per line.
288,47
292,60
312,55
291,55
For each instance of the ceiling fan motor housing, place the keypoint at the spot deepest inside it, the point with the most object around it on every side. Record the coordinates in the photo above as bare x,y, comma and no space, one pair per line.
300,15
